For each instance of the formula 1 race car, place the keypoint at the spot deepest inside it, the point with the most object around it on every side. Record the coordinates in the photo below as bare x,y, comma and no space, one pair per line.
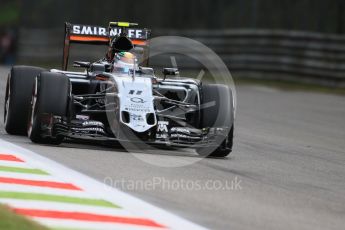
118,98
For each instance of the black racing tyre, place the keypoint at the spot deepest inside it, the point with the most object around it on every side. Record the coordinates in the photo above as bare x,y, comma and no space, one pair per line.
50,95
217,111
17,98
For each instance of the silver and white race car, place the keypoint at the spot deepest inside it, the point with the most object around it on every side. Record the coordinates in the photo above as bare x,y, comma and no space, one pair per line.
118,100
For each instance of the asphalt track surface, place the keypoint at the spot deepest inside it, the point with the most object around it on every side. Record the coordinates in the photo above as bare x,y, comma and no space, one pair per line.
287,167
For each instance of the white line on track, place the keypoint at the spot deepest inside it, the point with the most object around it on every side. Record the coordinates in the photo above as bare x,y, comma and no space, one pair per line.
13,164
47,191
28,176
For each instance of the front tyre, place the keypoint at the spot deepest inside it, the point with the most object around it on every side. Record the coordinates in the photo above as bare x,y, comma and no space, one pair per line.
17,98
217,112
50,97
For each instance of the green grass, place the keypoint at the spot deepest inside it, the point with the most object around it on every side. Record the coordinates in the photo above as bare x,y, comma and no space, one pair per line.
9,13
11,221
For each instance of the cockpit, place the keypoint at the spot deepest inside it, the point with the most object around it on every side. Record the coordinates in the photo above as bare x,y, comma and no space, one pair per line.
124,62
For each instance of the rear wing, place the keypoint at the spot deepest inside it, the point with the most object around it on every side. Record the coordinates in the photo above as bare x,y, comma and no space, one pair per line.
76,33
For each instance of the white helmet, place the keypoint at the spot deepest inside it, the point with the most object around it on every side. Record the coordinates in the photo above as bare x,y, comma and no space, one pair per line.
124,61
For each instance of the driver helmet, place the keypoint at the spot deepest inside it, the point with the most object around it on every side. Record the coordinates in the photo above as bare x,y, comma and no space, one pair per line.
125,61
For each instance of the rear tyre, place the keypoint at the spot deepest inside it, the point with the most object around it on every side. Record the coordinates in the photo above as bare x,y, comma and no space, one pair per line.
50,97
17,98
218,112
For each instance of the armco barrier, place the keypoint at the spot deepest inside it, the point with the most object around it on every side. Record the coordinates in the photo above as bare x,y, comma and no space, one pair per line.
303,54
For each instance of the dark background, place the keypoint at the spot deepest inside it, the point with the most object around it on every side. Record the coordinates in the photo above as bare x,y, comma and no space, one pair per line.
306,15
280,37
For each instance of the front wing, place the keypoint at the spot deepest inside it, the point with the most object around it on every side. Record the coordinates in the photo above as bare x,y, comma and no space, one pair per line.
162,134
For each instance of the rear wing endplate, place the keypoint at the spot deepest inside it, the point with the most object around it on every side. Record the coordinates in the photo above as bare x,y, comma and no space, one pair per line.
86,34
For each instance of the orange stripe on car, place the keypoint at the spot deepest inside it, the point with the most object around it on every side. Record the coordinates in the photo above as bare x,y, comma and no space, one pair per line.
88,38
100,39
139,42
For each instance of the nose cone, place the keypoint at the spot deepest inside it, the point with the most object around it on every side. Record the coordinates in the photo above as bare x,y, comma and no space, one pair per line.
136,103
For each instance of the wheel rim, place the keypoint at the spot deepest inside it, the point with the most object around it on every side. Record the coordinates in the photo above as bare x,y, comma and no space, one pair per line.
33,105
7,102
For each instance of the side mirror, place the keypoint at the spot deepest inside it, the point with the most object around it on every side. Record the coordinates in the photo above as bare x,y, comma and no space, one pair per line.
170,72
147,70
81,64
